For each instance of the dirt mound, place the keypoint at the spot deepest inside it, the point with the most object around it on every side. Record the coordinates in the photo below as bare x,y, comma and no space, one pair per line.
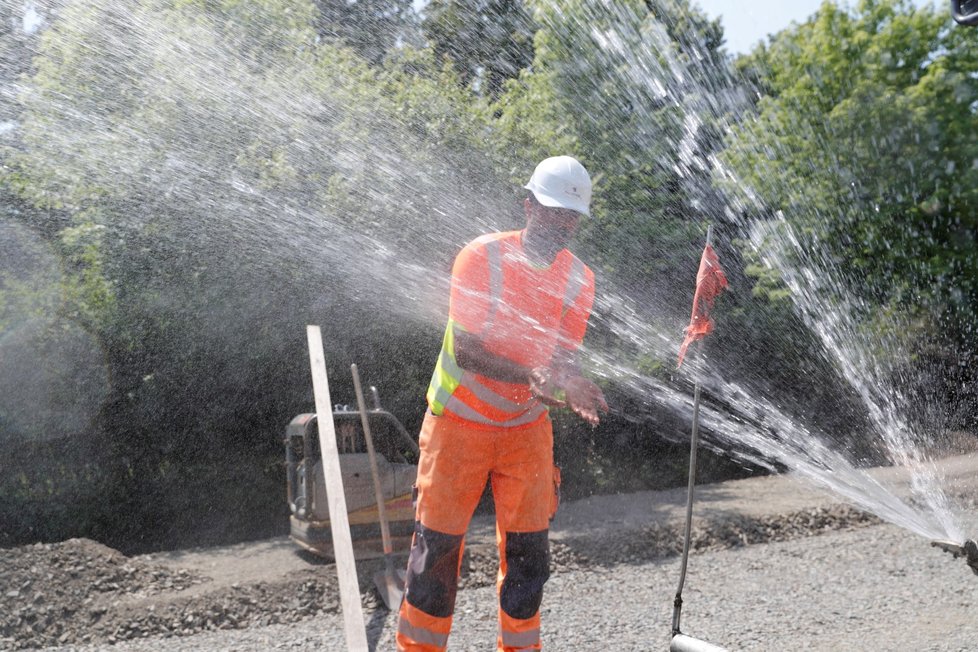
80,591
52,592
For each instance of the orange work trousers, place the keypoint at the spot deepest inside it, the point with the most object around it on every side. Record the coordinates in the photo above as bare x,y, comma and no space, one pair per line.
456,461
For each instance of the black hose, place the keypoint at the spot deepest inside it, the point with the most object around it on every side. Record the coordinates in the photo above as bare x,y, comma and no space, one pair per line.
970,18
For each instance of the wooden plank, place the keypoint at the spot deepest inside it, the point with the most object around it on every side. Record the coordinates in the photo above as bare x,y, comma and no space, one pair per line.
355,629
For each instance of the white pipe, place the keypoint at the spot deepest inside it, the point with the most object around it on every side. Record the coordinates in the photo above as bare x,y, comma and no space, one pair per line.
683,643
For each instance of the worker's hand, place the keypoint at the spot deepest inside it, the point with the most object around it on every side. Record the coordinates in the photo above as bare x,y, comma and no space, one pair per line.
585,398
543,387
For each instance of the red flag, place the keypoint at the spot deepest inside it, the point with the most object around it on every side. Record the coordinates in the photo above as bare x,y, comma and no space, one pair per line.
710,282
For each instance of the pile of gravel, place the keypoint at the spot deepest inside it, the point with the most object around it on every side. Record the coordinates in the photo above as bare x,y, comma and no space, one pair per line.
79,591
54,592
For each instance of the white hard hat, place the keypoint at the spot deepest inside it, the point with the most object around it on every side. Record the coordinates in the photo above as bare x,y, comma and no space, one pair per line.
562,182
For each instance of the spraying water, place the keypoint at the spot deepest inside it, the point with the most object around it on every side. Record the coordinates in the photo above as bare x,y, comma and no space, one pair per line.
655,76
212,140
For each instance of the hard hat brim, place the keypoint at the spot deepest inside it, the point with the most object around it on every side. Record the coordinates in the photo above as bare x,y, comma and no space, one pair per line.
550,202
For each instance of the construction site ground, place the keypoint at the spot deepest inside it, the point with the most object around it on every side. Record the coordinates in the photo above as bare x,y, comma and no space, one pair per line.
79,594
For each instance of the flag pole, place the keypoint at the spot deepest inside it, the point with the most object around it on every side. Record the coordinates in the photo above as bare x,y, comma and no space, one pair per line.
693,441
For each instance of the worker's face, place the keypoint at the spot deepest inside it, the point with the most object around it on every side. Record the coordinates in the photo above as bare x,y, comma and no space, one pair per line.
550,228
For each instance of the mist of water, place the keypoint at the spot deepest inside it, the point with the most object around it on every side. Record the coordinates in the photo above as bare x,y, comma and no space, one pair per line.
818,290
325,213
54,377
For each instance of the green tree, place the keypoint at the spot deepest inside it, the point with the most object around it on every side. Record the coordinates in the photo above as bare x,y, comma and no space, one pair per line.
371,27
868,114
212,178
488,41
861,145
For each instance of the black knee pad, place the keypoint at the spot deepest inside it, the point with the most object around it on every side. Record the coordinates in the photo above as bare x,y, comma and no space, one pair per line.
432,578
527,569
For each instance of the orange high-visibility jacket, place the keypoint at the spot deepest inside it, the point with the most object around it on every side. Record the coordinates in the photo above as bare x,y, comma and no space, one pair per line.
521,312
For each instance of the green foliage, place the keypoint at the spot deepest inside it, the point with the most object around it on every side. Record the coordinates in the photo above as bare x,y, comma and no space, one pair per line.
372,28
869,114
428,101
767,280
197,184
89,298
255,30
487,41
194,180
29,278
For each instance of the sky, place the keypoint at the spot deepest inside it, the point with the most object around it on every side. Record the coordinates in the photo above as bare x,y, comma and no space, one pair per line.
745,24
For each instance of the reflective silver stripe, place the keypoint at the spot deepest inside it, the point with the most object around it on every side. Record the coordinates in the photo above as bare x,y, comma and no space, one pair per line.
469,414
576,281
421,635
441,395
489,396
495,259
447,360
447,373
525,639
450,367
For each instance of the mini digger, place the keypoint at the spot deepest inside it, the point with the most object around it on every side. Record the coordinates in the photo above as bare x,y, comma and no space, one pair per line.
396,455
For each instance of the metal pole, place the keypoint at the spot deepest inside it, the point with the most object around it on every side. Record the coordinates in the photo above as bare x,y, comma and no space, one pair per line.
367,435
372,456
389,586
693,442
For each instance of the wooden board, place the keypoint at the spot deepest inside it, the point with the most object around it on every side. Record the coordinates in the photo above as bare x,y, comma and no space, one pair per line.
346,569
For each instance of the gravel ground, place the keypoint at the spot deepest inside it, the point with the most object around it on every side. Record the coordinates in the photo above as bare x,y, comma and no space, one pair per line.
773,567
81,592
867,588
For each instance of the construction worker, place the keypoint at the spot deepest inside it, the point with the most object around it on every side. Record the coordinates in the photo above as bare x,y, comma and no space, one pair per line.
519,307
